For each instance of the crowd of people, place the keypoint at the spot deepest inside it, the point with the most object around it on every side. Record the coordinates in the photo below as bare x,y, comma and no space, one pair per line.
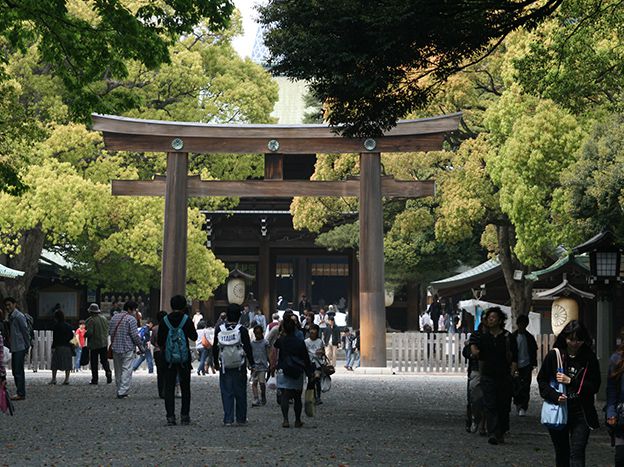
500,370
296,350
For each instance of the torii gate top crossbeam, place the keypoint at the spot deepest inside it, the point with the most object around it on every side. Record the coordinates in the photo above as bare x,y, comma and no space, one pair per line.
127,134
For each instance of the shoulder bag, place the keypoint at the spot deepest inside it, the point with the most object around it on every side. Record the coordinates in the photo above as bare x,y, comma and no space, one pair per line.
109,353
555,415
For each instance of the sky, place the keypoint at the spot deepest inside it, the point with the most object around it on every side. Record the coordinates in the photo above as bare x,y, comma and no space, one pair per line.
243,44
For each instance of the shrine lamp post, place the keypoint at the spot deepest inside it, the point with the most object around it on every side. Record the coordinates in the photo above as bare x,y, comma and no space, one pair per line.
604,263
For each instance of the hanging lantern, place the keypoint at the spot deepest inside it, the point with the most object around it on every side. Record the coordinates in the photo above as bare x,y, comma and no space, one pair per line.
564,310
236,290
388,297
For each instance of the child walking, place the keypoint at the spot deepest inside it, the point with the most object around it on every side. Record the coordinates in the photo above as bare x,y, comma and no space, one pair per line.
260,348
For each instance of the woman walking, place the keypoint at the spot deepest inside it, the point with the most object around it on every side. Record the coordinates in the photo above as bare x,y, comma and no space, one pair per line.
615,397
293,362
581,377
62,334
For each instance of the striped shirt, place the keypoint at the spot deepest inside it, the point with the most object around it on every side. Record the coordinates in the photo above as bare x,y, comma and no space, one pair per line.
126,338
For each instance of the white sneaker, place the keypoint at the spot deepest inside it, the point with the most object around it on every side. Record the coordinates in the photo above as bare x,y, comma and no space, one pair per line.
521,413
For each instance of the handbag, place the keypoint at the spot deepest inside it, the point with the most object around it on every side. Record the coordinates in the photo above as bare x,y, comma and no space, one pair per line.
85,356
555,415
309,406
109,352
205,342
75,341
327,368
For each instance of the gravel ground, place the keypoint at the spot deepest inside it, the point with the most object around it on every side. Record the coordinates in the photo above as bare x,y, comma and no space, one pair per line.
415,420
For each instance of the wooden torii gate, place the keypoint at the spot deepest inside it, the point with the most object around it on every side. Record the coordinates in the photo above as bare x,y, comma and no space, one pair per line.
178,139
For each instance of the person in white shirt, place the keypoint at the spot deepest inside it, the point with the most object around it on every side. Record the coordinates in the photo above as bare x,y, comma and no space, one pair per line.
203,345
321,319
197,317
316,352
426,324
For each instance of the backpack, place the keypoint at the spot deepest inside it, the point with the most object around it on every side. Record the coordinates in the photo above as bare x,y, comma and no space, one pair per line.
231,347
176,348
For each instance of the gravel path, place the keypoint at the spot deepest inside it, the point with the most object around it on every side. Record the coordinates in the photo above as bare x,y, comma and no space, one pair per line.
415,420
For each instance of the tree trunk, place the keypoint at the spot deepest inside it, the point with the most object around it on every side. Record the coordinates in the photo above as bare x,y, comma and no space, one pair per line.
520,291
31,246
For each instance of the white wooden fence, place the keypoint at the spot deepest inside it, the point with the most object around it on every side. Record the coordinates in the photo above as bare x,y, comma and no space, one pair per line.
41,352
417,352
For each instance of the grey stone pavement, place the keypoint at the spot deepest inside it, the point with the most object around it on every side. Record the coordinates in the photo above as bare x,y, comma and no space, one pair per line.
414,420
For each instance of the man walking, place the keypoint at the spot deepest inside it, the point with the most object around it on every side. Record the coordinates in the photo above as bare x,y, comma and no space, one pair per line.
331,337
498,359
232,351
174,332
527,360
97,342
20,343
124,339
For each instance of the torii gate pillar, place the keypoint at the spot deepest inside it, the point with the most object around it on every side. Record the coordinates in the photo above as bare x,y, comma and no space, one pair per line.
371,264
173,275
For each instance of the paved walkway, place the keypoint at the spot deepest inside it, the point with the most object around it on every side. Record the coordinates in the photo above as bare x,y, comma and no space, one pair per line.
414,420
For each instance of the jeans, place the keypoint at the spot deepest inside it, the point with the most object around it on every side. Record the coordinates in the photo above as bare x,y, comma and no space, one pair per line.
77,358
203,355
570,442
93,360
233,384
17,367
354,361
522,387
497,403
348,353
174,372
123,371
146,356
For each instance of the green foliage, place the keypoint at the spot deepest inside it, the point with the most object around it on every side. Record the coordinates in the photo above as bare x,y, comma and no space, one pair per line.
538,142
594,185
367,59
340,237
84,43
116,242
577,59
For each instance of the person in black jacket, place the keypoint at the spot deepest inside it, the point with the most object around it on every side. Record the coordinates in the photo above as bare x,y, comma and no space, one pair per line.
581,377
177,370
293,364
527,360
498,358
62,334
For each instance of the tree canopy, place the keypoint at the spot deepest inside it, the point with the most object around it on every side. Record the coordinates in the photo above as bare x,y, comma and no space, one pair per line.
85,42
66,205
367,60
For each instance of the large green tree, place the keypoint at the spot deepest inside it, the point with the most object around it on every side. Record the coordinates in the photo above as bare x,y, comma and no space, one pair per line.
116,241
367,59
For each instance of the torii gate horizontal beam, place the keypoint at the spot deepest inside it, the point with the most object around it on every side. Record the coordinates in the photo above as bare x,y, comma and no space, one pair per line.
274,188
127,134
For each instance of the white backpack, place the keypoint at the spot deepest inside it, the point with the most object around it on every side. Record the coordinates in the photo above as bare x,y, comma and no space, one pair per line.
231,347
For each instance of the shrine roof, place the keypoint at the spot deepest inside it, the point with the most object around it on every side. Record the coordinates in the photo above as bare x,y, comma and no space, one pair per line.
10,273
